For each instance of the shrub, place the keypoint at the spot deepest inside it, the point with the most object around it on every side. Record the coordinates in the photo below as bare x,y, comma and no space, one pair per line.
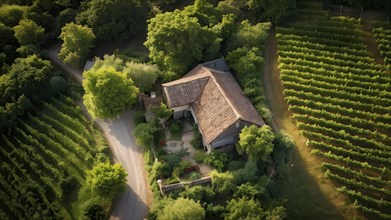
176,127
199,156
198,193
95,212
219,160
194,175
235,165
223,183
180,169
139,117
196,142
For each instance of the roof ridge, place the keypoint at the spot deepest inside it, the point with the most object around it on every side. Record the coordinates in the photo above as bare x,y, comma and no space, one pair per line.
195,77
238,116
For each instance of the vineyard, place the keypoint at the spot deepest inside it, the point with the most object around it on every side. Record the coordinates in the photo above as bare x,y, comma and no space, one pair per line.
341,101
44,163
382,34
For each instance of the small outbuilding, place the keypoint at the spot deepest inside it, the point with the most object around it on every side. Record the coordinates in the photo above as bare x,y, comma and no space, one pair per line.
210,94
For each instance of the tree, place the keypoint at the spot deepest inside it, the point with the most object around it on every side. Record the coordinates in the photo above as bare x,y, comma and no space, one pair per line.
249,191
77,45
114,19
108,61
199,193
27,50
277,213
143,75
10,15
144,133
6,35
256,142
162,113
95,212
246,62
177,42
28,32
248,36
276,11
244,208
182,209
58,84
223,183
25,84
107,92
107,180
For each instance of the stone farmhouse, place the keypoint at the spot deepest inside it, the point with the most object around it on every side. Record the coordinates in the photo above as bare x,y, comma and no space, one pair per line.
211,95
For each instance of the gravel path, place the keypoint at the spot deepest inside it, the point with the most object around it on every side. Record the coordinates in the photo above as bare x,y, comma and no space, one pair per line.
133,203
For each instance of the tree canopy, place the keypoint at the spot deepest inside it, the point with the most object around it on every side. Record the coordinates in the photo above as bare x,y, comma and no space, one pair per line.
177,41
256,142
114,19
25,83
244,208
182,209
77,45
107,180
248,36
144,133
276,11
107,92
28,32
246,62
144,76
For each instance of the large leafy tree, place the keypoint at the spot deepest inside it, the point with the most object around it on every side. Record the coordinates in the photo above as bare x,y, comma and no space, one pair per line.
114,19
182,209
275,11
256,142
244,208
77,45
28,32
143,75
108,92
245,62
25,83
107,180
248,35
10,15
177,41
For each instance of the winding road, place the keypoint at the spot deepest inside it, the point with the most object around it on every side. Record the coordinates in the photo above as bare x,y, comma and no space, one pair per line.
133,203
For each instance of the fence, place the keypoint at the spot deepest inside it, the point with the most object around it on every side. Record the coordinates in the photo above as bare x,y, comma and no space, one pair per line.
176,186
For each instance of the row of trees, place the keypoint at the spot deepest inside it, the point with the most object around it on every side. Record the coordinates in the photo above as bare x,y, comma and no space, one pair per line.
331,92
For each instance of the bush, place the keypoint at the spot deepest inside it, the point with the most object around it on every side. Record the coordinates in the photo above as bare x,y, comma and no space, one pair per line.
95,212
199,156
223,183
194,175
180,169
198,193
219,160
196,142
176,127
139,117
235,165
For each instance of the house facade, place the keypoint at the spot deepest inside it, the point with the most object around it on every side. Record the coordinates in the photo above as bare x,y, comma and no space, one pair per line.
211,95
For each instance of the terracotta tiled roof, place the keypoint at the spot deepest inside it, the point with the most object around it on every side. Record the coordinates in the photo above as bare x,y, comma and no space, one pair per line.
215,96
